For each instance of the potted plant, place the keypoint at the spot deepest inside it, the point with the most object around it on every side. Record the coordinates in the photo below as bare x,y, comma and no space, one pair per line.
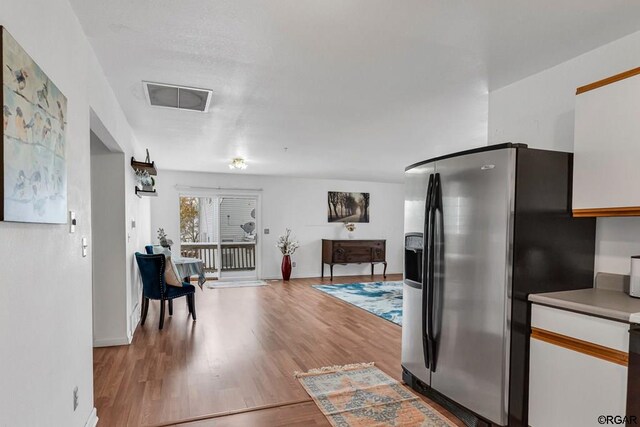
145,180
287,246
162,237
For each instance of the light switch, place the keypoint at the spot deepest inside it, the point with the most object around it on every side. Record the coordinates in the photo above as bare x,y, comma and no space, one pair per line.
85,245
72,222
266,231
133,223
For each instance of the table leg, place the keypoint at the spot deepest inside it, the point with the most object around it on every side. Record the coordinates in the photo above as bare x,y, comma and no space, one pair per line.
331,269
384,274
192,299
187,280
322,270
372,268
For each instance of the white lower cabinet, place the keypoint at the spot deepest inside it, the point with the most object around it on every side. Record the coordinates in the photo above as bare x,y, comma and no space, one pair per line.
568,387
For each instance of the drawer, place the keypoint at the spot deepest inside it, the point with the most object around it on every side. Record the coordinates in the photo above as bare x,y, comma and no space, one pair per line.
352,254
358,244
379,254
604,332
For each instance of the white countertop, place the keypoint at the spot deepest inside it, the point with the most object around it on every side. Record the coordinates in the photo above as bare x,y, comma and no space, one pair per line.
611,304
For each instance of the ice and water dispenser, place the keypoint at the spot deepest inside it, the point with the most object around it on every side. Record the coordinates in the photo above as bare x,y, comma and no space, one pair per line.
413,245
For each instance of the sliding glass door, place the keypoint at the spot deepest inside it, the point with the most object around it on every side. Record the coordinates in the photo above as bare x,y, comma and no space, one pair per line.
238,237
222,231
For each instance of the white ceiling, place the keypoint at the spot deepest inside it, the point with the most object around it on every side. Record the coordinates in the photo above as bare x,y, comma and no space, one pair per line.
355,89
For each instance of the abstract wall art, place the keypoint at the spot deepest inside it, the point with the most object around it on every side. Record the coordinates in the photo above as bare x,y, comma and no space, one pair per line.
33,155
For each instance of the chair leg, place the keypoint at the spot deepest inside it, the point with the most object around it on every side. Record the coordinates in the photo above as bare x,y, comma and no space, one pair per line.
192,303
161,314
170,307
144,308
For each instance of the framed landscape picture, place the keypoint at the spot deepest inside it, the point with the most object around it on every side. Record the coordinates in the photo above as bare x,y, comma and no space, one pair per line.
33,155
348,207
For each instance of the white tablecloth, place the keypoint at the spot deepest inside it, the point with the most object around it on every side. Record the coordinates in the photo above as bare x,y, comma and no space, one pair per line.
188,267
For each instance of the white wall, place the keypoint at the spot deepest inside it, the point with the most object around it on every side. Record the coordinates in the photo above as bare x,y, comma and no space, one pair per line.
539,111
299,204
46,316
109,123
108,228
122,230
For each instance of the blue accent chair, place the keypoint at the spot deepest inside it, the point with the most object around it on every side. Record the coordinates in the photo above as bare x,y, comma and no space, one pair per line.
154,287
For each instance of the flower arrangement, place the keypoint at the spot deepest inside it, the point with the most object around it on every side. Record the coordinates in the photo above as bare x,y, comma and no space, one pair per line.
145,180
286,245
350,226
162,236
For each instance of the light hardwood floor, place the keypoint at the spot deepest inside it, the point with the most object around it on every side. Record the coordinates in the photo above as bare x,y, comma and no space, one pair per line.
241,353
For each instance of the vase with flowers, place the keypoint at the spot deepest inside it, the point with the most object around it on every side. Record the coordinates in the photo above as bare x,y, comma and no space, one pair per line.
351,227
165,242
287,246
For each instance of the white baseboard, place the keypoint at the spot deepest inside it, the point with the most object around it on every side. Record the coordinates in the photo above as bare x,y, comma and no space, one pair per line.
110,342
92,421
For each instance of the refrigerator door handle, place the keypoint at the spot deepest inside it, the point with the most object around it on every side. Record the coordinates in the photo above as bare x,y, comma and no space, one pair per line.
436,264
426,253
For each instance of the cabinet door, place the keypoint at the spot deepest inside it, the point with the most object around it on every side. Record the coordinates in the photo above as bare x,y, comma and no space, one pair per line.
607,149
378,252
567,388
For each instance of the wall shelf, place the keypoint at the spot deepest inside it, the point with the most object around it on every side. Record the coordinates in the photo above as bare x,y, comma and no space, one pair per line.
150,168
143,193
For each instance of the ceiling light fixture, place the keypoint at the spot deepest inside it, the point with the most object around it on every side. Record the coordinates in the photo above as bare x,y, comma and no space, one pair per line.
238,163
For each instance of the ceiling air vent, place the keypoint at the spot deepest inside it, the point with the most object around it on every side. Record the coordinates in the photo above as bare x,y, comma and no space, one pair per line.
178,97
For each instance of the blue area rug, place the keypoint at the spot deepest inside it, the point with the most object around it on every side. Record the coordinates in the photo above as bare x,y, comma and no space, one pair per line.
384,299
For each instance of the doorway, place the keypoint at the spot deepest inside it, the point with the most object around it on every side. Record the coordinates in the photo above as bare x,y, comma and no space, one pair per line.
222,230
108,232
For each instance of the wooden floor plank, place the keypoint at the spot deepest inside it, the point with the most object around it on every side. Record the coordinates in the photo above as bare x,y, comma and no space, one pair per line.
241,353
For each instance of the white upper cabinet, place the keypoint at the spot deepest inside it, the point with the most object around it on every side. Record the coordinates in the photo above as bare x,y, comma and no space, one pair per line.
606,175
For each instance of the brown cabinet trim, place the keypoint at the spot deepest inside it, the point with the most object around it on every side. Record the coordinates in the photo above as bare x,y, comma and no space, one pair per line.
608,80
584,347
596,212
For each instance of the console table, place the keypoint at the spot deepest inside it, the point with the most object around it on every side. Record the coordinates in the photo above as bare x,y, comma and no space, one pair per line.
354,252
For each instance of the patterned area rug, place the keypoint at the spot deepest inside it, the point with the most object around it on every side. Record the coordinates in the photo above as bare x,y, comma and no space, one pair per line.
362,395
384,299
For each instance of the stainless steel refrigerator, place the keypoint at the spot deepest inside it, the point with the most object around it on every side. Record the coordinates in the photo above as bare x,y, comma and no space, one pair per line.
484,228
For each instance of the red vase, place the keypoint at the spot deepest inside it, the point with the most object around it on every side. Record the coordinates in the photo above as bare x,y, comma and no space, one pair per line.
286,267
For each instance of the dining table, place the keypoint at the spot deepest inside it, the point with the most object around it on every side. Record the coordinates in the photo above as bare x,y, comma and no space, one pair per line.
188,267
